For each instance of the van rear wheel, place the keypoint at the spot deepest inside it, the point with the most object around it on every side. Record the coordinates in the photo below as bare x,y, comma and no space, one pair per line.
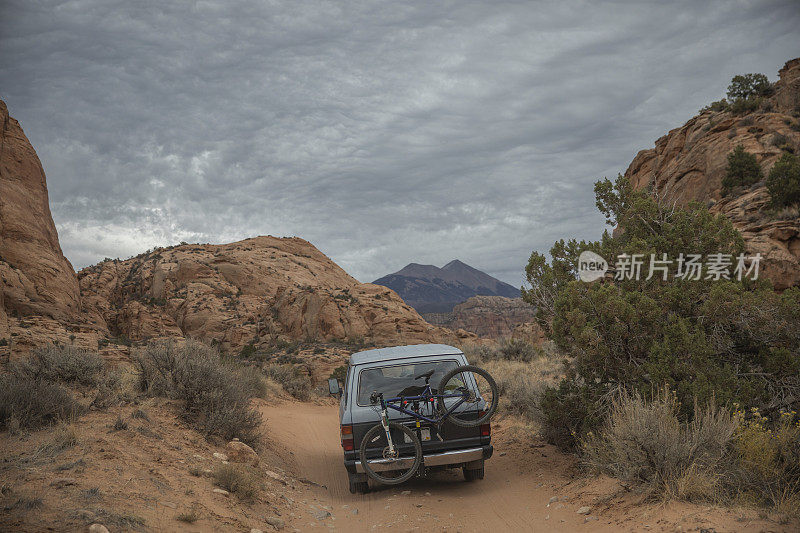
471,474
357,486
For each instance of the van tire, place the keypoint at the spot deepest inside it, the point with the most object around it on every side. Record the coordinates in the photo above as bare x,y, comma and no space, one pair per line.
358,487
473,474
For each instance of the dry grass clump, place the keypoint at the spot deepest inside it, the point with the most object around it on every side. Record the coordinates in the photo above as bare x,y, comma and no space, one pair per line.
237,479
30,403
717,456
644,443
216,396
64,437
61,364
293,378
521,370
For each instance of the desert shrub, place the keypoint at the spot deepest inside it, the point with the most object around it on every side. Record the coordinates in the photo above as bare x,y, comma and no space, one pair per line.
767,455
237,479
30,403
719,105
521,393
742,106
216,400
517,350
340,372
645,442
293,378
63,364
732,339
783,182
742,169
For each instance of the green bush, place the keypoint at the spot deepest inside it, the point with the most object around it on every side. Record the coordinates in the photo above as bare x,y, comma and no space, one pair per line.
719,105
63,364
749,86
729,339
783,182
216,397
742,169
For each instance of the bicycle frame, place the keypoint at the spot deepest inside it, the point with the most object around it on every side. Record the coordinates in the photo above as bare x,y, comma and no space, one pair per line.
426,396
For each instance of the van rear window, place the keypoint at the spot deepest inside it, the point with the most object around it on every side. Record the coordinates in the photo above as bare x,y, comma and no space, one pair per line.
401,380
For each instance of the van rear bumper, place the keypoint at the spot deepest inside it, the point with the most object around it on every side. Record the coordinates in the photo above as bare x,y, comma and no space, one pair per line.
450,457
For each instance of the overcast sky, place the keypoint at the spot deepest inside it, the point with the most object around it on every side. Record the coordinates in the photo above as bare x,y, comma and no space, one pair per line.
383,132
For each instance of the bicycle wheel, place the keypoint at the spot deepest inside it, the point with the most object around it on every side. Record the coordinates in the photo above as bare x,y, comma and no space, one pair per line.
388,468
478,405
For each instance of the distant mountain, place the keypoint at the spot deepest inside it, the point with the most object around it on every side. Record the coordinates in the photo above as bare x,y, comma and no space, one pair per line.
430,289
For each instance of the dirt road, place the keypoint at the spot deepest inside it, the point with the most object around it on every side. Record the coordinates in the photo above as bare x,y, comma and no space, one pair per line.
521,480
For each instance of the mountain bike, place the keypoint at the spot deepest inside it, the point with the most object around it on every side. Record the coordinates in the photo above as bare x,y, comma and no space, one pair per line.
458,398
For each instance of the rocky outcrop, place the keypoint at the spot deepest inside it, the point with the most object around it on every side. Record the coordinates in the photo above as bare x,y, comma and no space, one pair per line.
487,316
688,164
35,277
254,291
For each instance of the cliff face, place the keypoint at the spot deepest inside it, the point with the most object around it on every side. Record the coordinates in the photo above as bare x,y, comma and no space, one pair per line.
35,277
487,316
688,164
251,291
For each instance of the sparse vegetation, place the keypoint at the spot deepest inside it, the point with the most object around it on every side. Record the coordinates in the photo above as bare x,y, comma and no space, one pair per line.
237,479
61,364
293,378
340,372
717,456
742,170
644,442
216,397
783,182
30,403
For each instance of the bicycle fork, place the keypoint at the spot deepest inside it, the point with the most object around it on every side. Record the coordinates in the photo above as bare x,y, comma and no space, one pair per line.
385,424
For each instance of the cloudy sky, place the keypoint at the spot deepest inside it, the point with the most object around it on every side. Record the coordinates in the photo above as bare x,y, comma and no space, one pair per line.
382,132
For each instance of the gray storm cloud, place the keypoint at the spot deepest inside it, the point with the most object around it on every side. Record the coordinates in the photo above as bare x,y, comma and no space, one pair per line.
383,133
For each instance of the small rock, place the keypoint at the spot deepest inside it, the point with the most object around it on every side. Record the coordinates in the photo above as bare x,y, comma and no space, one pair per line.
584,510
320,514
255,530
221,491
354,511
547,517
589,518
276,477
239,452
98,528
502,454
427,494
276,522
554,499
198,456
406,492
220,456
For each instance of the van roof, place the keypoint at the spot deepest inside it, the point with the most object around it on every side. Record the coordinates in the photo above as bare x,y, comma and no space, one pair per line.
399,352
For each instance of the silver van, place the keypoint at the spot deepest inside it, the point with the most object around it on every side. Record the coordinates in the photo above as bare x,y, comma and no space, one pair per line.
398,371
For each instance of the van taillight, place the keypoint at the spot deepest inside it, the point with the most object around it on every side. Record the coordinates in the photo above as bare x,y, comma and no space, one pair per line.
486,429
347,438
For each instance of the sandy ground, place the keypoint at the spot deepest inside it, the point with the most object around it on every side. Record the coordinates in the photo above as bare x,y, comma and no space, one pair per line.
522,480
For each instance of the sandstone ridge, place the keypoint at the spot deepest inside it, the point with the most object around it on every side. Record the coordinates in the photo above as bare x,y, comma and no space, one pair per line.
688,164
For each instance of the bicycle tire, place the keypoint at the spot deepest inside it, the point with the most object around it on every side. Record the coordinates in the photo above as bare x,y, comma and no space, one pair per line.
440,402
378,428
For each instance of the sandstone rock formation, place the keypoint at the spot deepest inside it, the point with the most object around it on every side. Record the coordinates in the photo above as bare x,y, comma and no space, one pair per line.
688,164
249,292
35,277
487,316
253,291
